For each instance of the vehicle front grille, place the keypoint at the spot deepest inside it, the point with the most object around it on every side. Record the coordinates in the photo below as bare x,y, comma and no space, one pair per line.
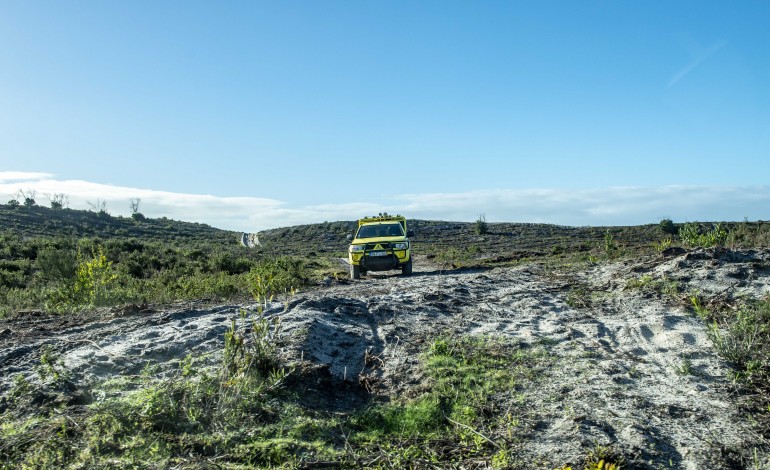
379,262
370,246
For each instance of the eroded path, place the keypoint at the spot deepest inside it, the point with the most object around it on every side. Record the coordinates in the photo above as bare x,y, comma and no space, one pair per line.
628,365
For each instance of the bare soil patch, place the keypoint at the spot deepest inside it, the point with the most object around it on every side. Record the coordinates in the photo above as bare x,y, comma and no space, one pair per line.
626,365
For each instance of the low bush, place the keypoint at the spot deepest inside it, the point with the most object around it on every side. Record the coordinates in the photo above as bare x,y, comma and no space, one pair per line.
278,276
749,235
692,235
742,337
65,274
481,226
667,227
610,246
57,264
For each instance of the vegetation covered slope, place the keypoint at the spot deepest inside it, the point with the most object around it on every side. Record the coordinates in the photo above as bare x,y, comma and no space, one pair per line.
39,221
61,259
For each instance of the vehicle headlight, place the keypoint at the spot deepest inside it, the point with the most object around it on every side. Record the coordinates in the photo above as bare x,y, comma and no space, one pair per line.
401,246
357,248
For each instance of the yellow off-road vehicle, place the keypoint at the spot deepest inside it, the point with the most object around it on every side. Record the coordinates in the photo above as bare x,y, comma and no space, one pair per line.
380,244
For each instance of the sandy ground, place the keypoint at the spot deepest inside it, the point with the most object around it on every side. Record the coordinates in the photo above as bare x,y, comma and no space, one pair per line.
616,353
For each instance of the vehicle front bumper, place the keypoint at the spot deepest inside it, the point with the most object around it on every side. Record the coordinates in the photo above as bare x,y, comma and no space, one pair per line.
392,260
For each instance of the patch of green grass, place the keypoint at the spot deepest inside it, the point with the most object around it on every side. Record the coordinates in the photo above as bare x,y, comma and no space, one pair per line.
420,418
579,297
453,257
684,368
742,337
647,283
467,376
154,419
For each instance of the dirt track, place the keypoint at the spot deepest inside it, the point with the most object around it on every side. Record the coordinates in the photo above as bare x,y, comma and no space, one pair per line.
616,354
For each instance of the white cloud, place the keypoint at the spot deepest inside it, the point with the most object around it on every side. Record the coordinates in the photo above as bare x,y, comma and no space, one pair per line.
8,176
606,206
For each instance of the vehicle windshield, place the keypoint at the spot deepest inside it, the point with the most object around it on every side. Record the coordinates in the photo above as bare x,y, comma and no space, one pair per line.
380,230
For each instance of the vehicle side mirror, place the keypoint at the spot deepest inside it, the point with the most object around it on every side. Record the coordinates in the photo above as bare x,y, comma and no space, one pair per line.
410,233
350,237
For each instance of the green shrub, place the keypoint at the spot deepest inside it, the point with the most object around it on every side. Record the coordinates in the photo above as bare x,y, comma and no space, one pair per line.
280,276
692,235
15,299
14,274
57,265
742,337
210,286
744,340
94,277
481,227
667,227
749,235
230,263
610,247
662,245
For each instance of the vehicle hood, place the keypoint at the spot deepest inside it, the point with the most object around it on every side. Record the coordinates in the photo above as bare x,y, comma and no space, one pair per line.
361,241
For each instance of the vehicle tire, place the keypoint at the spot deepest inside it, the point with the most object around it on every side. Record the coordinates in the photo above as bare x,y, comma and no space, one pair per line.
406,269
355,271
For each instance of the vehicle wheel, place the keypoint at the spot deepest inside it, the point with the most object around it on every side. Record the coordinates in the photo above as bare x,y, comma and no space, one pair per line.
363,271
406,269
355,271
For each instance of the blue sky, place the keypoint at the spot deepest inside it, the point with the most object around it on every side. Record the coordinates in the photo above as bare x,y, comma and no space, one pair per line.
277,113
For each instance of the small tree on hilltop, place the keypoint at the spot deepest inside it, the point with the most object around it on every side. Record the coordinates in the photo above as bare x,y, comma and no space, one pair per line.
25,197
135,214
100,207
58,200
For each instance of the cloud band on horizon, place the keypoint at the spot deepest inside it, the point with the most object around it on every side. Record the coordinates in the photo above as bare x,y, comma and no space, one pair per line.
602,206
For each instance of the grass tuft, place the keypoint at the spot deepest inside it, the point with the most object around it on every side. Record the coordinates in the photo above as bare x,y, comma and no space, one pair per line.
742,337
